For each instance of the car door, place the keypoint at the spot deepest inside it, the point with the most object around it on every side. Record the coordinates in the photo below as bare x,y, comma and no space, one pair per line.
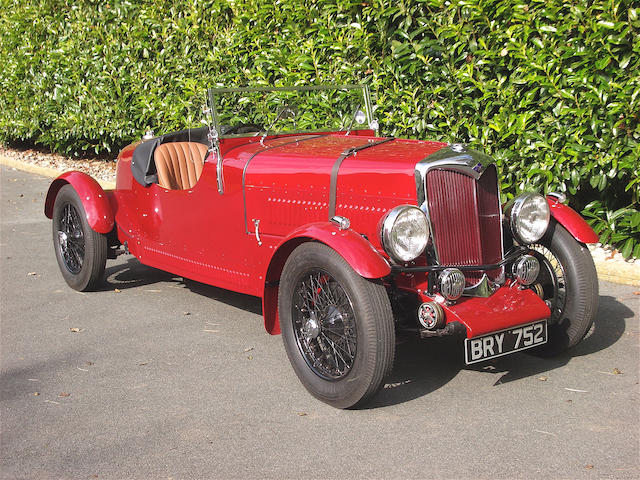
199,233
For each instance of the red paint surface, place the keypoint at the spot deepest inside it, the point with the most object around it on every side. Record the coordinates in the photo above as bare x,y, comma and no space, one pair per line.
289,187
94,199
507,307
357,251
572,221
209,237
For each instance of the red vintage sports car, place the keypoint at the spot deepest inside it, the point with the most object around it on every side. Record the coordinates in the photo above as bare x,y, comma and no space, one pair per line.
347,237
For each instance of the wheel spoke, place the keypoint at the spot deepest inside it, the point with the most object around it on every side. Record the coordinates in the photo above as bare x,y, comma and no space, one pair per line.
555,286
71,239
323,324
336,346
334,331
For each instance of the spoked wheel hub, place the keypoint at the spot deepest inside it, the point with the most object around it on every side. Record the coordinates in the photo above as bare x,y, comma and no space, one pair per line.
311,328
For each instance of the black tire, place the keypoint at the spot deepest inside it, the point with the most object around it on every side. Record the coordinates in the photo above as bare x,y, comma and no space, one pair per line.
81,251
570,284
340,340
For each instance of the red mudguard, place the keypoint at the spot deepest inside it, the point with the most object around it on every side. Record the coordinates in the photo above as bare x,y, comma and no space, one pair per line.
354,248
572,221
94,199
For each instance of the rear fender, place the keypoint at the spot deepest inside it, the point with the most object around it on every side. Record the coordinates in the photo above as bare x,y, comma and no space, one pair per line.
353,247
94,199
572,221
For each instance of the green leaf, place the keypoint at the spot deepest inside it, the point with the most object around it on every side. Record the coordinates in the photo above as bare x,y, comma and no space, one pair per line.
627,249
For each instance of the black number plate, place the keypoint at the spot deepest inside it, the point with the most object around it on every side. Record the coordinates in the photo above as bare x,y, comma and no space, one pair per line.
497,344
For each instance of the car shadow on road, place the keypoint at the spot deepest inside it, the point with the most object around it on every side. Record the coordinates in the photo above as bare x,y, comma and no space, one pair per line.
420,367
131,273
608,327
32,374
248,303
423,366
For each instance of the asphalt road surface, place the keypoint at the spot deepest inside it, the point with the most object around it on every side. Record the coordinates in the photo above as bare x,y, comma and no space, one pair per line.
166,378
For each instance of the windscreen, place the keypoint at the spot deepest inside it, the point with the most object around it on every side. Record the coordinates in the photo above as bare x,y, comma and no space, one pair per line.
290,109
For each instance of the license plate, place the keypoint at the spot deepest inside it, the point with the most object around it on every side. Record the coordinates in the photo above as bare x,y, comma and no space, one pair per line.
504,342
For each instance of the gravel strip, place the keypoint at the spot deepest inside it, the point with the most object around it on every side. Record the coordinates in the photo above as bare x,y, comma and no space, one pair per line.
606,253
99,169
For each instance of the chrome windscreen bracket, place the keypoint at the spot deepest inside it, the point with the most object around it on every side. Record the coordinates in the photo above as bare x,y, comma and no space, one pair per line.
214,140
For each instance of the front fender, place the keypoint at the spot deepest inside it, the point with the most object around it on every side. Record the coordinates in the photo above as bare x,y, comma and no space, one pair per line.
94,199
572,221
354,248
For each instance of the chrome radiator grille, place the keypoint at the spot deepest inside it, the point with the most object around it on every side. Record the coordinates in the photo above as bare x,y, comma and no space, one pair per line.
465,219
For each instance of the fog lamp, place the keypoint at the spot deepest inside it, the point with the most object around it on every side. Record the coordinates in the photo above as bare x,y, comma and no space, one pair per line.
431,315
451,283
526,269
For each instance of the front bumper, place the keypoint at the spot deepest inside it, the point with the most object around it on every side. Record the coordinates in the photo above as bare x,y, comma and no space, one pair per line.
507,307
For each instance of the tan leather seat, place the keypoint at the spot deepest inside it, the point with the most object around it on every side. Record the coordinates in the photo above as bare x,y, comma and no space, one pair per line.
179,164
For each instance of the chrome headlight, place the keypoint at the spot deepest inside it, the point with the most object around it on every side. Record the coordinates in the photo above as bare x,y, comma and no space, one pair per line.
405,232
528,216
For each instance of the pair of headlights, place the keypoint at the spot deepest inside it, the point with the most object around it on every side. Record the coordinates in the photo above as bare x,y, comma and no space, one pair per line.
405,229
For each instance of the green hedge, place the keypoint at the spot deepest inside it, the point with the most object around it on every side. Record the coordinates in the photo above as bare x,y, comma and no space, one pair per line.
551,89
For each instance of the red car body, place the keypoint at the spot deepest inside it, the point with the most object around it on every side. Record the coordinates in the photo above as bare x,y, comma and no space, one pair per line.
258,199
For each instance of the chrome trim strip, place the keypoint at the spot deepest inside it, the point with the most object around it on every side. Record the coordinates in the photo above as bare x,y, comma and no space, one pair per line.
285,133
560,197
302,88
469,162
333,183
509,257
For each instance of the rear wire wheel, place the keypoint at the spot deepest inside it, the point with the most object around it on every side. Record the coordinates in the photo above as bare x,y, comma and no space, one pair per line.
81,251
337,327
570,287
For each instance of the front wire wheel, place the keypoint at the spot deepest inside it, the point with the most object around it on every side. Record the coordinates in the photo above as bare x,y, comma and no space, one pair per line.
337,327
81,251
570,288
324,325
